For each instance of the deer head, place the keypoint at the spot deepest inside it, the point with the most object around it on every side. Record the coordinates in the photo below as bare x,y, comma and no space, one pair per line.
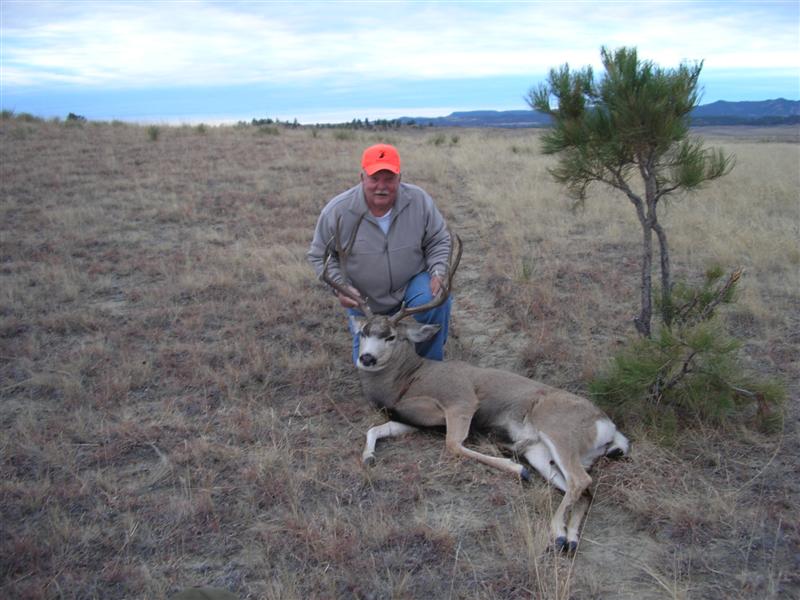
383,338
384,342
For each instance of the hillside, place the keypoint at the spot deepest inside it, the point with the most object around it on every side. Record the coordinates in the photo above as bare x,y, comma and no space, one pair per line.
766,112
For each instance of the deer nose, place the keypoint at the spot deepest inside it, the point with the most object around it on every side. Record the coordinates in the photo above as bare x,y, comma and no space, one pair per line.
367,360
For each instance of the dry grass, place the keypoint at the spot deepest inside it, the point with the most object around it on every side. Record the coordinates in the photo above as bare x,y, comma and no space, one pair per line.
178,406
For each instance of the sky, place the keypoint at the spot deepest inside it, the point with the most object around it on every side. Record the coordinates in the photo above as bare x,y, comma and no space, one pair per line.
320,62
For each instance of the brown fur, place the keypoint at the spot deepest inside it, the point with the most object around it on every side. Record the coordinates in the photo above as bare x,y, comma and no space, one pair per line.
532,418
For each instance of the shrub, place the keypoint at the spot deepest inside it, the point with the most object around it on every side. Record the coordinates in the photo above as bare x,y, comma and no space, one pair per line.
153,132
440,139
689,373
29,118
74,120
268,130
21,133
521,149
344,135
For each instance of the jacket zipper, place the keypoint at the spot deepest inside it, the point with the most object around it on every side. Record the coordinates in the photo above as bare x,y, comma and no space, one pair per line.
395,216
386,250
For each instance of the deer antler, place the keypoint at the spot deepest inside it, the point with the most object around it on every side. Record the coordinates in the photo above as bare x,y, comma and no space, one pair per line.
444,291
342,254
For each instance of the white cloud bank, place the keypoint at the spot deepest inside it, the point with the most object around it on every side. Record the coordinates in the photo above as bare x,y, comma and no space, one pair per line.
142,44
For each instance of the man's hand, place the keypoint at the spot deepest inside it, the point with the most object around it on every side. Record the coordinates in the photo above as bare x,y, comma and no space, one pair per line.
436,285
348,302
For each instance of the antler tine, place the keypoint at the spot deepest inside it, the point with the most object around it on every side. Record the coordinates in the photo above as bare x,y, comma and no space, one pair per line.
444,291
342,256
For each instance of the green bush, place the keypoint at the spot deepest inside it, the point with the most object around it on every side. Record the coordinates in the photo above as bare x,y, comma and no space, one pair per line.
344,135
21,133
689,373
153,132
440,139
268,130
29,118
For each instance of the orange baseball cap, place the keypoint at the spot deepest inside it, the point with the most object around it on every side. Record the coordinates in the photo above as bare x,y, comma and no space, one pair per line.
380,157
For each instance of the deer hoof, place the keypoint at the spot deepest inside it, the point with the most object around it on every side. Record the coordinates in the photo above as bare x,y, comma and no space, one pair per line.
573,547
561,544
369,460
524,474
615,453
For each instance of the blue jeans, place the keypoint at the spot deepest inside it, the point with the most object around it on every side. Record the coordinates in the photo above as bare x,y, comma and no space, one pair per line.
418,292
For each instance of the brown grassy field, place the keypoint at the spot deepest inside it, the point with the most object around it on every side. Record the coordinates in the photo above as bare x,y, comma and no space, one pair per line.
178,407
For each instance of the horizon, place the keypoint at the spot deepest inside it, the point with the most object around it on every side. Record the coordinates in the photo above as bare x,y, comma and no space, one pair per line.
214,121
319,63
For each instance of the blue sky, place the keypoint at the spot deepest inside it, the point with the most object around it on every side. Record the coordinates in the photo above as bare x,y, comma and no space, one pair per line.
192,61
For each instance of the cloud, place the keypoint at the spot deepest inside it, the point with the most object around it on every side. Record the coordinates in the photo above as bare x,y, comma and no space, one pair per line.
141,44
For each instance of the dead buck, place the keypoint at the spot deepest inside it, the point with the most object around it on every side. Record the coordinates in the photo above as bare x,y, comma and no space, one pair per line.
560,434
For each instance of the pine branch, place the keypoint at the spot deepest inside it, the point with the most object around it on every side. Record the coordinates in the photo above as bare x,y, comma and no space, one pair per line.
682,313
708,311
658,388
681,374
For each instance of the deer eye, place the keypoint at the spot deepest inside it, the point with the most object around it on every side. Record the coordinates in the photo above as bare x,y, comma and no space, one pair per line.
390,338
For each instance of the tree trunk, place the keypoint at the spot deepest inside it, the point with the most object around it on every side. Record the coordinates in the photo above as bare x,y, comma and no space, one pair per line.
647,217
649,221
666,276
642,322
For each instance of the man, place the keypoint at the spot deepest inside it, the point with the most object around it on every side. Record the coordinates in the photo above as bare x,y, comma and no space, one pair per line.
397,244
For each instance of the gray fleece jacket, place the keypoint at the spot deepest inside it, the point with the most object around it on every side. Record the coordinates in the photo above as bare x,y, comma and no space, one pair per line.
381,265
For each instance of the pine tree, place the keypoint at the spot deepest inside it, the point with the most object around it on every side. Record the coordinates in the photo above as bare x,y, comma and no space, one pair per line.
633,123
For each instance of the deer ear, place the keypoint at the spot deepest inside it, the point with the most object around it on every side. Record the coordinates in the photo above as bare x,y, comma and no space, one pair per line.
419,332
357,324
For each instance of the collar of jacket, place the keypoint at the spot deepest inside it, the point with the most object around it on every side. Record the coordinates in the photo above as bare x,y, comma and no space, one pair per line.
359,207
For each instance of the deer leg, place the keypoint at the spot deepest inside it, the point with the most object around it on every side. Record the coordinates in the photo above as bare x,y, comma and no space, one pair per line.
620,446
577,480
389,429
575,519
457,430
540,459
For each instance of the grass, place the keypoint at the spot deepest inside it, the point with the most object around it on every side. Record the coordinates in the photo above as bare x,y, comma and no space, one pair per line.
178,406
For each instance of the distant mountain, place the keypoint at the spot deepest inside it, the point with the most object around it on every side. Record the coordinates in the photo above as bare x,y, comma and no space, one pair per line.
483,118
749,110
765,112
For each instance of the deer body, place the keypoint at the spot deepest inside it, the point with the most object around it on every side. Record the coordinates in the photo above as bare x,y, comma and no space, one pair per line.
560,434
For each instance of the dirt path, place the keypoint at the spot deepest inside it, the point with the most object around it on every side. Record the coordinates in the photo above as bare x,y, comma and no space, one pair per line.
481,333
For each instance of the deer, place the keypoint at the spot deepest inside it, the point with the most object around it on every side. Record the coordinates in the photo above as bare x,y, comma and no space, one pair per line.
559,434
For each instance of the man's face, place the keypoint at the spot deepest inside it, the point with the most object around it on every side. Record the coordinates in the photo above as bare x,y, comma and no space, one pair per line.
380,190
